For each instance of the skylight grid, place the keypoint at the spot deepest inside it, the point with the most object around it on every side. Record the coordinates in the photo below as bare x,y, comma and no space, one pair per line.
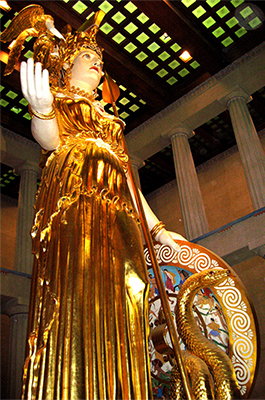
219,18
14,101
143,39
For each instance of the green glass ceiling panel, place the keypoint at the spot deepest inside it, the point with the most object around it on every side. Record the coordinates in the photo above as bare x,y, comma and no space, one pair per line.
218,32
130,7
175,47
226,42
27,116
122,87
172,80
154,28
130,47
133,95
3,103
174,64
79,7
28,54
7,23
106,28
164,56
152,64
212,3
11,95
240,32
28,38
124,115
183,72
16,110
246,12
209,22
66,1
142,101
232,22
124,101
153,47
142,38
162,73
143,18
222,12
134,107
1,88
130,28
141,56
118,17
105,6
236,3
194,64
165,38
254,23
199,11
188,3
118,38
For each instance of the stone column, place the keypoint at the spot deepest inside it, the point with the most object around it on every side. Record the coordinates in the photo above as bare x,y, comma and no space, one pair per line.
18,314
136,165
193,212
27,190
249,146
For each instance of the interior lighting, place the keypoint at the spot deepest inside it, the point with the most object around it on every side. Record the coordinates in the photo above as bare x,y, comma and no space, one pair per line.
4,5
185,56
4,59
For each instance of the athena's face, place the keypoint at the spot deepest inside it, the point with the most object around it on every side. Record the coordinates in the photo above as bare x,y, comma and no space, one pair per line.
87,67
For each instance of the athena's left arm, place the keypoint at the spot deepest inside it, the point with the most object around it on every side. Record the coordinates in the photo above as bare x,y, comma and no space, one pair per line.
163,236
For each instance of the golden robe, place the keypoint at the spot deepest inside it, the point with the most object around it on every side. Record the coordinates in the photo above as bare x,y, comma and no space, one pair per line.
88,322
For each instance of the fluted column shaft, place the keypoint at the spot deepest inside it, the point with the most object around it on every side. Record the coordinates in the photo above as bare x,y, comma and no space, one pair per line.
27,191
18,315
193,212
250,149
136,165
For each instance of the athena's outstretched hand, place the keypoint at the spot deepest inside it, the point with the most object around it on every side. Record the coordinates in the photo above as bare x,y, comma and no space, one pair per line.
35,86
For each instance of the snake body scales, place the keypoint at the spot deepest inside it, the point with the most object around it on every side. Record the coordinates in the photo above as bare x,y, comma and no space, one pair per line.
220,365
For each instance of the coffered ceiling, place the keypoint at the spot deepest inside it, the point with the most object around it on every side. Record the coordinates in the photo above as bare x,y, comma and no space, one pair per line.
143,44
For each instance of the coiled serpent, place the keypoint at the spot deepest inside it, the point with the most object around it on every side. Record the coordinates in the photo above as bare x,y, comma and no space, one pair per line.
226,386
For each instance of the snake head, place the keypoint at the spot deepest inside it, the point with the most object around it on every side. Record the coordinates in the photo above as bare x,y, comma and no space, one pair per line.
213,276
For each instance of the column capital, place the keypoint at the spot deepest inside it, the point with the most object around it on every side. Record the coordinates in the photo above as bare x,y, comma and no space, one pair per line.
136,161
236,93
181,130
13,307
27,165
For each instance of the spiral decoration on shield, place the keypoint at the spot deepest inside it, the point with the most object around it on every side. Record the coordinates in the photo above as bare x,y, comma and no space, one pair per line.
225,305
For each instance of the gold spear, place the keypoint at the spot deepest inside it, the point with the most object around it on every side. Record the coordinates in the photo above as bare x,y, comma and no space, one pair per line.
110,94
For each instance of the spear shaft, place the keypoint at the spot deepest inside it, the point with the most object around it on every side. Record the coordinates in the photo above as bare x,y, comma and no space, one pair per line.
156,269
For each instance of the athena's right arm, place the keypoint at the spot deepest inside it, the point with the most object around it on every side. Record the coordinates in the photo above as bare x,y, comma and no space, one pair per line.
36,90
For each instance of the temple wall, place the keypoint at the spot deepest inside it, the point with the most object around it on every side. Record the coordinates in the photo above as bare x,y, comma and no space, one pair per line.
224,191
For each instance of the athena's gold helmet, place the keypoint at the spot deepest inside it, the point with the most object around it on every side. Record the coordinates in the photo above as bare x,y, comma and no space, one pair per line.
52,49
